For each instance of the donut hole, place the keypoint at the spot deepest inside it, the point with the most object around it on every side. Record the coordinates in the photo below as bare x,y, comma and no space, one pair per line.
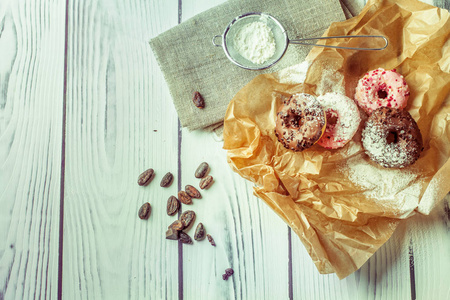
297,121
382,94
332,118
392,137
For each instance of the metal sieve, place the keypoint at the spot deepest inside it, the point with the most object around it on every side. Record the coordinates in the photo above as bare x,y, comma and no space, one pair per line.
281,38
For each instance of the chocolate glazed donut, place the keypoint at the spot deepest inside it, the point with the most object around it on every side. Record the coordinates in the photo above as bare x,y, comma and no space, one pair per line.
392,138
300,122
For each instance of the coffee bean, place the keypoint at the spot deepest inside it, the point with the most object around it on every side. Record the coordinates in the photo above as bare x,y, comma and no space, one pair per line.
228,273
198,100
177,225
146,177
185,238
199,232
202,170
206,182
172,205
211,240
184,197
188,218
192,191
144,211
166,180
172,234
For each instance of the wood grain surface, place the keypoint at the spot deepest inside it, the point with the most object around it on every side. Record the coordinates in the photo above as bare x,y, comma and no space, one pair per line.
31,109
119,122
84,109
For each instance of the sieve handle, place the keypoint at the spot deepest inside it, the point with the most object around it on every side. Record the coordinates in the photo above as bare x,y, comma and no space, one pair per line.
214,41
303,41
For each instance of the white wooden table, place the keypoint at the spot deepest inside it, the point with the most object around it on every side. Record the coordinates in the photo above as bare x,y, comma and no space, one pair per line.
84,109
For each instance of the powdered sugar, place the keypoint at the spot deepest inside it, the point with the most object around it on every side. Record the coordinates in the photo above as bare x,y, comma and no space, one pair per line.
294,74
397,189
255,42
330,80
376,144
392,138
431,197
347,114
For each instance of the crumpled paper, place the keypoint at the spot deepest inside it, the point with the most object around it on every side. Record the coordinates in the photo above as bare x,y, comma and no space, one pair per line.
343,206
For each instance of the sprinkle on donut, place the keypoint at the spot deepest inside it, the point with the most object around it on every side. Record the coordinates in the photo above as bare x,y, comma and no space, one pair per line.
343,120
381,88
300,122
392,138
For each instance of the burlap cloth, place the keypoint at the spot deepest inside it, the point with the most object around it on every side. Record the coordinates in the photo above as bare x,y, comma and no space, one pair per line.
190,62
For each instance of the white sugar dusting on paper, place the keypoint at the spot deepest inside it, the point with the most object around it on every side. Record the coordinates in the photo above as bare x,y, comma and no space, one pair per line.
430,197
394,188
331,81
294,74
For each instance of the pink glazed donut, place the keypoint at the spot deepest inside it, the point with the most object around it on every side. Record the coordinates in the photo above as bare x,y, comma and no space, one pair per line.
381,88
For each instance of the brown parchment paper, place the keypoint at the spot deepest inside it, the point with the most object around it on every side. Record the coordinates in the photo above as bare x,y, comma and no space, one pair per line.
339,223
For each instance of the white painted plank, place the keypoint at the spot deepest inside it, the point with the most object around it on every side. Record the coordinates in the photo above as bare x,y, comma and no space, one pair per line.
244,228
120,121
250,237
430,237
386,275
309,284
31,106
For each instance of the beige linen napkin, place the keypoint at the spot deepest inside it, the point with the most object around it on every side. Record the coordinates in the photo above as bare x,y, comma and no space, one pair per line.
190,62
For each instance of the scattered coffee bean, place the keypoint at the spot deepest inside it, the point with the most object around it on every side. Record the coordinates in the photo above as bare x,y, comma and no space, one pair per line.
177,225
166,180
144,211
184,197
198,100
192,192
188,218
199,232
172,234
211,240
202,170
185,238
146,177
206,182
172,205
228,273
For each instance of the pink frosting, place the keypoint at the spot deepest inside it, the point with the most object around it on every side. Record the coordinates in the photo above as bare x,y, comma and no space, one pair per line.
381,87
